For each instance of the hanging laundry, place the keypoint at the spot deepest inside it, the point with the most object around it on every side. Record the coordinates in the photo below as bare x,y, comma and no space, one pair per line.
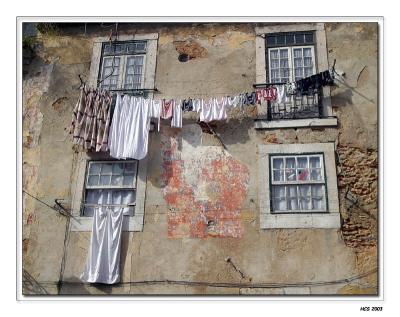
197,104
176,121
233,101
167,108
130,128
187,105
91,119
291,88
281,96
155,111
103,259
214,109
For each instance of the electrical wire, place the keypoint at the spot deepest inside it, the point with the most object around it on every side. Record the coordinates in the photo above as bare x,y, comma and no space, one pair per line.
231,285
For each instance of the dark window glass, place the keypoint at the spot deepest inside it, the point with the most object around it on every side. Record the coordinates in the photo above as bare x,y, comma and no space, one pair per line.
271,40
290,39
309,38
299,38
280,39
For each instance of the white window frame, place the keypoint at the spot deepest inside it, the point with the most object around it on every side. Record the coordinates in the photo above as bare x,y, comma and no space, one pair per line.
298,182
131,186
301,219
321,63
149,63
291,60
122,67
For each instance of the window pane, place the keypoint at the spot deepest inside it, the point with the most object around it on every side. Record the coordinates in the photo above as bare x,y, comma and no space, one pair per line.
277,163
297,53
118,168
308,71
130,167
302,162
292,198
315,161
106,168
285,72
289,39
283,53
93,180
275,63
94,168
290,162
128,180
303,174
105,180
280,39
116,180
309,38
279,200
307,52
279,191
316,174
307,61
271,40
304,199
278,176
299,38
284,63
274,54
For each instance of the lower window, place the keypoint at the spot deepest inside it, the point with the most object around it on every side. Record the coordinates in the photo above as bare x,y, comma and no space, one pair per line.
298,186
298,183
110,183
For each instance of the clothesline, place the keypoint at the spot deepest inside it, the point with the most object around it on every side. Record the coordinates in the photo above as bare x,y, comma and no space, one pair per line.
125,134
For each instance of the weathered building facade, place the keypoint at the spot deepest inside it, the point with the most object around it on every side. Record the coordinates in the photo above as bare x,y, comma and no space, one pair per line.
204,220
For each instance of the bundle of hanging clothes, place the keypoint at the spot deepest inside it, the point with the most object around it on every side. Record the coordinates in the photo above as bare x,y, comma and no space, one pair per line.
91,119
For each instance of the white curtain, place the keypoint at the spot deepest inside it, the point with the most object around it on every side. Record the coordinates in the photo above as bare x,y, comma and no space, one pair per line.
103,260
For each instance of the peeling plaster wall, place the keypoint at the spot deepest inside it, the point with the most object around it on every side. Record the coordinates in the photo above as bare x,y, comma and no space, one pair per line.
201,199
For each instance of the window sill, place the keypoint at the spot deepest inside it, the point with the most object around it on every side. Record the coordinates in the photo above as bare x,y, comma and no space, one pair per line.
134,223
300,221
299,123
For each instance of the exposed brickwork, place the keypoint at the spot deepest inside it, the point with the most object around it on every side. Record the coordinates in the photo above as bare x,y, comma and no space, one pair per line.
358,180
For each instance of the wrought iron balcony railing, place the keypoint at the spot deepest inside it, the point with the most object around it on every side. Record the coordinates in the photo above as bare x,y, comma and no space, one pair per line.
296,107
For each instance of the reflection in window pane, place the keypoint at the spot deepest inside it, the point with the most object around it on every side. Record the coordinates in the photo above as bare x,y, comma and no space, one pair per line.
116,180
105,180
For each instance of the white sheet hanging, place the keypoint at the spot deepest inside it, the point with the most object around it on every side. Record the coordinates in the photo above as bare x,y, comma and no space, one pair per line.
103,260
176,121
214,110
130,128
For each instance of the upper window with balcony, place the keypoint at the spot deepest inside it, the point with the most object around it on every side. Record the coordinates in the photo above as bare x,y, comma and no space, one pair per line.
288,53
